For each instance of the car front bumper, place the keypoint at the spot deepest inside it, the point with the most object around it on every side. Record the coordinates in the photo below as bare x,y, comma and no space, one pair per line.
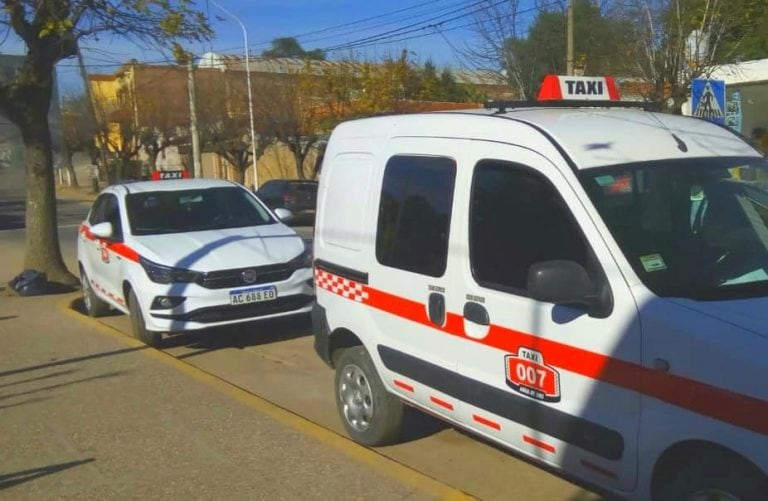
203,308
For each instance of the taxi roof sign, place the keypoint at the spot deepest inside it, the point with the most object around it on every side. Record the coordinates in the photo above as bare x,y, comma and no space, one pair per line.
567,88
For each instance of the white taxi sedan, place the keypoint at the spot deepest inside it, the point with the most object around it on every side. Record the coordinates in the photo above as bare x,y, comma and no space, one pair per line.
189,254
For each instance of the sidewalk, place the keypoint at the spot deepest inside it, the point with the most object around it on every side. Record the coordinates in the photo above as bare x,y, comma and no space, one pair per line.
88,413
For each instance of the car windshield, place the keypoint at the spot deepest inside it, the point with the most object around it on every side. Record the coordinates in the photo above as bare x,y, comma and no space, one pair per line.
693,228
160,212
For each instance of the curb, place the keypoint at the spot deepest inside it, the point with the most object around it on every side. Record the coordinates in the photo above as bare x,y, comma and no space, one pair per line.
369,457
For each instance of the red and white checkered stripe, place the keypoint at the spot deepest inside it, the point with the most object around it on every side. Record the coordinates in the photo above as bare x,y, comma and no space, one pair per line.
341,286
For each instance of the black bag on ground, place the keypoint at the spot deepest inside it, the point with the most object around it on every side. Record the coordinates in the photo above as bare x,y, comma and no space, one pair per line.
29,283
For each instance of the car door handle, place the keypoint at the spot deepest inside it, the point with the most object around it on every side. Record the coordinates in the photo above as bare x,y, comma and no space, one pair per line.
436,308
476,312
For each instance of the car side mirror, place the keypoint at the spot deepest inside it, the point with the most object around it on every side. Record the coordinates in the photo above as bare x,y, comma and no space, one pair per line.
567,283
283,215
102,230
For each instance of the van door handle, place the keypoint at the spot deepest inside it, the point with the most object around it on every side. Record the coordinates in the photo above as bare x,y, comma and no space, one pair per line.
436,308
476,312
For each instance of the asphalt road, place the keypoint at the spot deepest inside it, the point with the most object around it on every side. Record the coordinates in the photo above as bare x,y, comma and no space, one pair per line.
275,360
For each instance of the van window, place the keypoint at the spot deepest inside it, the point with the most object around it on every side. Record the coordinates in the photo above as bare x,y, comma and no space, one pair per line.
517,219
415,214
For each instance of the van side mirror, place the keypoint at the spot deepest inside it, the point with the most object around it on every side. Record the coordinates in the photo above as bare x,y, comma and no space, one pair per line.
102,230
567,283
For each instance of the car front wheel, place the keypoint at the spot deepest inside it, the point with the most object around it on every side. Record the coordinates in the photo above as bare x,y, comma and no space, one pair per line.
138,326
371,415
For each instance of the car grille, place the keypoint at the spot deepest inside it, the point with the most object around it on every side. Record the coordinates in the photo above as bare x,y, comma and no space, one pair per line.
226,279
253,310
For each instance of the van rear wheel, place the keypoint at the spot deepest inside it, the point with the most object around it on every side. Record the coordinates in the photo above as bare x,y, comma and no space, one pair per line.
371,415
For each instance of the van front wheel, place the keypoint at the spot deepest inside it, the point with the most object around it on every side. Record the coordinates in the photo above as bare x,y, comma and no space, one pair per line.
715,476
371,415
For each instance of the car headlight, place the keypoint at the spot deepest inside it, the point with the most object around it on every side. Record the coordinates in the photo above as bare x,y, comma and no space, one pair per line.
168,275
303,260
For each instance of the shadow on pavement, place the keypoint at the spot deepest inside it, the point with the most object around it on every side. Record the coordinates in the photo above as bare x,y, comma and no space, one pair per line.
47,376
418,425
56,363
62,385
9,317
79,306
241,335
11,479
25,402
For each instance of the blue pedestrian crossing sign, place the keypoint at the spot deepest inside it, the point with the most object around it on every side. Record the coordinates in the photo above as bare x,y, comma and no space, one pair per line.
708,100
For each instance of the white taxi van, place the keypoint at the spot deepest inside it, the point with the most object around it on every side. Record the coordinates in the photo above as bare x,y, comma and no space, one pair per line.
189,254
585,285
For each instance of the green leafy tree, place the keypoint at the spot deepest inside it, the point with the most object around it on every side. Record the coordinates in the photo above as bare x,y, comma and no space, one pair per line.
601,43
51,31
290,47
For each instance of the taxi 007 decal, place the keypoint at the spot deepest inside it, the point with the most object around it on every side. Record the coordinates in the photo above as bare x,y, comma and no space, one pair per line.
527,374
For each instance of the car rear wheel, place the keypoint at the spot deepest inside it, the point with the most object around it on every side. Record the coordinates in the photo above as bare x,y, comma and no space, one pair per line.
94,306
138,326
371,415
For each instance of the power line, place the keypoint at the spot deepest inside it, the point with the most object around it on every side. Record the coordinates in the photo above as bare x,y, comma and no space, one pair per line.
361,21
387,37
403,30
410,17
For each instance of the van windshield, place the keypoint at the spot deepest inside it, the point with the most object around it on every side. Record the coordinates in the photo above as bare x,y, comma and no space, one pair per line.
694,228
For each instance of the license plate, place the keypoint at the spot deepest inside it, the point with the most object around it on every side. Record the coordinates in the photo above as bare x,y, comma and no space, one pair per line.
253,295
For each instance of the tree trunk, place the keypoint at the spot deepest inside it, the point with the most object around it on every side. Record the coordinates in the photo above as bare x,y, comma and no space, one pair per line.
42,251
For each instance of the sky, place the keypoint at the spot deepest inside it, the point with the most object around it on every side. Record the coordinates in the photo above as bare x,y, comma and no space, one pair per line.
428,29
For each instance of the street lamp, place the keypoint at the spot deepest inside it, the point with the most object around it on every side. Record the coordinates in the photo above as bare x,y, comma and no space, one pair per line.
250,94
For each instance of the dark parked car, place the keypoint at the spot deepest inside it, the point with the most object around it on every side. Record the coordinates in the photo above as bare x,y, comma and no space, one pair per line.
298,196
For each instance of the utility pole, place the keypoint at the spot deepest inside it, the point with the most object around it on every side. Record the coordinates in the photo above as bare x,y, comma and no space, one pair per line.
569,57
250,92
198,168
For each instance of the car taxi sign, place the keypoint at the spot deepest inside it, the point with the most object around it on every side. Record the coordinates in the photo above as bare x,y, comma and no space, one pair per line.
169,174
563,88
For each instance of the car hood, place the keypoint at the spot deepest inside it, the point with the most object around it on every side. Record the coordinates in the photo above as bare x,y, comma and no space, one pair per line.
224,249
750,314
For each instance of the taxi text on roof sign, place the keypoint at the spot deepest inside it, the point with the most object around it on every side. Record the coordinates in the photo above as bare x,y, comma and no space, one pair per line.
559,87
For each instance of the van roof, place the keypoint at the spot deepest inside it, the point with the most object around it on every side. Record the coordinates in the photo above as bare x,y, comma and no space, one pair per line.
591,137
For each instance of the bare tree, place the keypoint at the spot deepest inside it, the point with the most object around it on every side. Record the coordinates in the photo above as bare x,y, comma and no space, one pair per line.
290,113
223,121
495,25
50,31
77,131
680,40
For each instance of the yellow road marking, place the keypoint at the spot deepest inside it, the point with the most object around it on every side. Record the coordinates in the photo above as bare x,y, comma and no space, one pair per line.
369,457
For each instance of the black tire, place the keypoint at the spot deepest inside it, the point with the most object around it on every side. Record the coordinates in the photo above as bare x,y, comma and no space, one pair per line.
94,306
714,475
371,415
138,327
